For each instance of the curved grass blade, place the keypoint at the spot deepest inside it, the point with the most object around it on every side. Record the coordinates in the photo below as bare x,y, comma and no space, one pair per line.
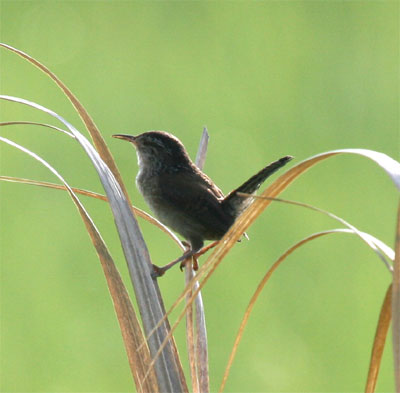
261,286
137,351
376,245
97,138
243,222
396,306
140,213
168,369
391,167
379,341
382,160
32,123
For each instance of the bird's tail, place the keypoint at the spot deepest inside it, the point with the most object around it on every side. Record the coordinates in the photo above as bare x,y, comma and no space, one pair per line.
234,203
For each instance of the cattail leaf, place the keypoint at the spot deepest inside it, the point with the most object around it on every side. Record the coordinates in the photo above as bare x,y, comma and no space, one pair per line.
168,369
138,353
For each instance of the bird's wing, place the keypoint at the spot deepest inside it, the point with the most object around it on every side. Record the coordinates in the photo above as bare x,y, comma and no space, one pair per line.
213,188
195,199
206,181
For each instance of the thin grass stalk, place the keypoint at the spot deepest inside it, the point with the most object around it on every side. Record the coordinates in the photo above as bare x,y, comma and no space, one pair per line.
198,352
260,288
372,242
379,247
33,123
254,298
201,330
201,344
190,333
202,150
396,306
379,341
140,213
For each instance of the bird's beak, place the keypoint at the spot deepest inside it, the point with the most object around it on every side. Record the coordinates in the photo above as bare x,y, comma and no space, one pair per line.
129,138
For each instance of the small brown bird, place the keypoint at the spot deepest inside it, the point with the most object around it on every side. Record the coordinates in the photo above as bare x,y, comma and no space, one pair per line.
182,196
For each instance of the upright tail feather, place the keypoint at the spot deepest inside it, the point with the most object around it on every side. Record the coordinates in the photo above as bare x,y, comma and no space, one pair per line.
234,203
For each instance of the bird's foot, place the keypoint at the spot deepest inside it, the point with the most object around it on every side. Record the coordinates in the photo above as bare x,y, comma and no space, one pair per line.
193,260
206,248
185,261
187,256
197,254
158,271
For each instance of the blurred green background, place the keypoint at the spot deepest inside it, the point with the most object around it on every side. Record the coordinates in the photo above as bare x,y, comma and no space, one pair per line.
268,79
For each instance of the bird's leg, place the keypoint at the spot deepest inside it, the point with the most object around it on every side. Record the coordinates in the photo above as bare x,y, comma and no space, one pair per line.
159,271
189,253
194,257
197,254
205,249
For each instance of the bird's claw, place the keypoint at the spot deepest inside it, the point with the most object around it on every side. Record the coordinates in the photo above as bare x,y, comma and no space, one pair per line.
157,272
195,263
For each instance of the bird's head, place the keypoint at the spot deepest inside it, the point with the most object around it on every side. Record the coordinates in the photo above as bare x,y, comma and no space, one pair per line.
158,148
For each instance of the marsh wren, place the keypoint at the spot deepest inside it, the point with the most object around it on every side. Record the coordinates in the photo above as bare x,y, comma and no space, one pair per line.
183,197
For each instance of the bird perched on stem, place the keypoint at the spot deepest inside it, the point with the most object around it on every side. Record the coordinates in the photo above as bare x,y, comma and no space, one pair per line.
183,197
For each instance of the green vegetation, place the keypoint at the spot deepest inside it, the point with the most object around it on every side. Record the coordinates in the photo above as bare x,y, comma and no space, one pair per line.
268,79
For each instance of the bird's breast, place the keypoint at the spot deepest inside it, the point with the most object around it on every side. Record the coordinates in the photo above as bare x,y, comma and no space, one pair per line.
147,183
